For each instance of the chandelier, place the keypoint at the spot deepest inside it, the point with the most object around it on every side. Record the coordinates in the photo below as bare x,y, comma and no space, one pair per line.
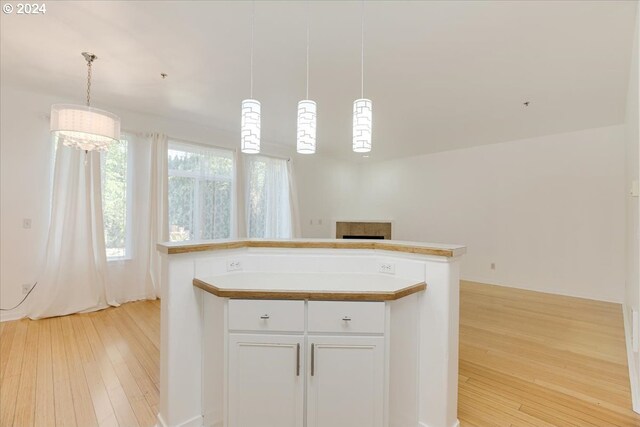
83,127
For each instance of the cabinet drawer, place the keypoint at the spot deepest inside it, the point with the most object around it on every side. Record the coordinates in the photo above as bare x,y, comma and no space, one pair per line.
351,317
266,315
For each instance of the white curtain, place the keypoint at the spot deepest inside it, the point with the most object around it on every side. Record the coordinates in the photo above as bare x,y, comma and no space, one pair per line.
158,203
267,198
73,278
296,230
138,275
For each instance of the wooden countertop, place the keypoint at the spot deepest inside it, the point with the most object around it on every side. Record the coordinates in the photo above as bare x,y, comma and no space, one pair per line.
385,245
309,286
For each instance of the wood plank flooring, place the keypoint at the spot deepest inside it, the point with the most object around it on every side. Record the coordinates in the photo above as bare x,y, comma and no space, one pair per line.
95,369
526,359
534,359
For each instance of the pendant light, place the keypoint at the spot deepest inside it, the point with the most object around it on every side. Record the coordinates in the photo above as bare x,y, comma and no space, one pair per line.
83,127
362,108
250,122
306,142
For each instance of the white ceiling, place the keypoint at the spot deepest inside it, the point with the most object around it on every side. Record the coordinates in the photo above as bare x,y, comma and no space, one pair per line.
442,75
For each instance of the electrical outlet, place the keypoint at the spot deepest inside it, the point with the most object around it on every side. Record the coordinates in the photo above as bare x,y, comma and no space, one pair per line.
387,267
26,288
26,223
234,265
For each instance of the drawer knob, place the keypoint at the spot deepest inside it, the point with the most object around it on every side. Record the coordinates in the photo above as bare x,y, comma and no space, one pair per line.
346,319
264,317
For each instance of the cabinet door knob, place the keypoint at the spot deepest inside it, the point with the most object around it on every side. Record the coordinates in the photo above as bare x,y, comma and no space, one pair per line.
346,319
264,317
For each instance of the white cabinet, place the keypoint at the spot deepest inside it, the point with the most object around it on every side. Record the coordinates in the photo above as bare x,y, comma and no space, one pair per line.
266,315
345,382
351,317
327,373
266,382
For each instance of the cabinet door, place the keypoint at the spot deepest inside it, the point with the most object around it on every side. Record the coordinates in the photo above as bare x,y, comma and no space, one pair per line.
266,380
345,382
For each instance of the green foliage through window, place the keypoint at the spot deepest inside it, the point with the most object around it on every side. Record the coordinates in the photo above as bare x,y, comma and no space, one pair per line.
115,199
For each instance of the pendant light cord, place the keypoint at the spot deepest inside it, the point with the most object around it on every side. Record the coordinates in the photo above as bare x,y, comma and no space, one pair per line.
362,51
307,97
253,22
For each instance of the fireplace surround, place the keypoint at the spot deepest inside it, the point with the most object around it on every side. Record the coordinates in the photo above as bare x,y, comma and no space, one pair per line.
363,230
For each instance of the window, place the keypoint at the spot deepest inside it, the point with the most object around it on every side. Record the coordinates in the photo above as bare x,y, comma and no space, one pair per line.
116,200
200,192
269,211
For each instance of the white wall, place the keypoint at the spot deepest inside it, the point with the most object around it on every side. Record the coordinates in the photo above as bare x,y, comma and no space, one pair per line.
632,141
26,162
548,211
326,188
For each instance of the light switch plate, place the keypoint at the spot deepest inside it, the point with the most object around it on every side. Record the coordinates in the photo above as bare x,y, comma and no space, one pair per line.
635,188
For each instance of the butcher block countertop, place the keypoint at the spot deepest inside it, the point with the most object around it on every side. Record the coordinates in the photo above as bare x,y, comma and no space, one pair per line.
420,248
309,286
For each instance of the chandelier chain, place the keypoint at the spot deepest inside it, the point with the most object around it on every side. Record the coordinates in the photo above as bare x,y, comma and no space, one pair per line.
88,83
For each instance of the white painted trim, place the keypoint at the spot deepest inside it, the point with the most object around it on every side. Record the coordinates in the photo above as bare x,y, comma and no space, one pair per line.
161,422
457,424
196,421
633,374
11,315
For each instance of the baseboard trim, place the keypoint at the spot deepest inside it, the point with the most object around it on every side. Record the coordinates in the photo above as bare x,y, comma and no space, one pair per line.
193,422
456,424
12,315
633,374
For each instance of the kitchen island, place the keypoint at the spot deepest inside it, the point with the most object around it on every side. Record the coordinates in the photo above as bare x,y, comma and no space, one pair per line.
309,332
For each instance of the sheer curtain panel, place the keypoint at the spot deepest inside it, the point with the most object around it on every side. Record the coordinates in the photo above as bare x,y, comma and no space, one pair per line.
137,275
267,197
74,275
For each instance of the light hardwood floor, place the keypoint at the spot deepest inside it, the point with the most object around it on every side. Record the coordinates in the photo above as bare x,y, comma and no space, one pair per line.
534,359
96,369
526,359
